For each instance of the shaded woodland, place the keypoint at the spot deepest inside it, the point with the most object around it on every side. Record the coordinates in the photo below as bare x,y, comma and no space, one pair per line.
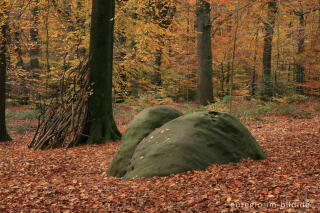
263,48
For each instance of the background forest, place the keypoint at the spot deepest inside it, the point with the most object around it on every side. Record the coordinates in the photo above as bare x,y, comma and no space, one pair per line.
155,52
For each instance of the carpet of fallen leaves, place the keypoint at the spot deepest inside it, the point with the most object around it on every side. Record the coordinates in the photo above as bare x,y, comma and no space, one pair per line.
75,180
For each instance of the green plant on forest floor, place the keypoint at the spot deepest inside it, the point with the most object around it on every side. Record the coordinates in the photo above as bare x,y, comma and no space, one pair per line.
23,115
23,128
295,98
273,108
189,109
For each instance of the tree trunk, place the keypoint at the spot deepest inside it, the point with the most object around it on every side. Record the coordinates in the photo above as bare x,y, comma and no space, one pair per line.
253,83
18,50
157,79
234,54
162,13
318,29
100,126
267,85
66,5
204,52
275,82
4,136
299,71
35,50
34,34
222,78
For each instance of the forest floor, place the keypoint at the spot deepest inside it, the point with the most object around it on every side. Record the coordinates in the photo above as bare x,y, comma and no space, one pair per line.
75,180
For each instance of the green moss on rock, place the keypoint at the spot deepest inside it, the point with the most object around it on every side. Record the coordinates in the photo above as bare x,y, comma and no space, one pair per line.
141,126
193,141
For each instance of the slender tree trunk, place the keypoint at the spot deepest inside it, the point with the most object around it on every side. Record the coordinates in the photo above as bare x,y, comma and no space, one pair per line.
17,36
275,84
34,49
120,92
253,83
318,29
34,34
204,52
299,71
289,69
228,76
162,14
317,43
80,27
157,79
4,136
18,50
234,54
267,85
66,4
100,126
222,80
47,47
23,91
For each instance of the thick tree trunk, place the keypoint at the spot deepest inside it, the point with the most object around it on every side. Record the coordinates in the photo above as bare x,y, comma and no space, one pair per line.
204,52
100,126
300,70
4,136
267,85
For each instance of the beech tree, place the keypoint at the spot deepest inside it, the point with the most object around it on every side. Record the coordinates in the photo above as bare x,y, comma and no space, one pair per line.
318,30
34,35
204,52
100,125
4,136
35,48
299,69
266,81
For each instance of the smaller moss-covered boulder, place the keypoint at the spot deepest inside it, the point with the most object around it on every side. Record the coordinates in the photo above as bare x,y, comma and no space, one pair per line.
193,141
142,125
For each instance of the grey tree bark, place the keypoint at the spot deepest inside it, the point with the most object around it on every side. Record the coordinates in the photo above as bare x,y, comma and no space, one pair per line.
204,52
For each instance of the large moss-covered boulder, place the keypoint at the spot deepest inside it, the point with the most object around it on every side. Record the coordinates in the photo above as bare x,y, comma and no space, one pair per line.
192,141
142,125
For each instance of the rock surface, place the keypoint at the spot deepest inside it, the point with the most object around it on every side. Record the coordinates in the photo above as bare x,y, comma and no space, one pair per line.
160,142
142,125
193,141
